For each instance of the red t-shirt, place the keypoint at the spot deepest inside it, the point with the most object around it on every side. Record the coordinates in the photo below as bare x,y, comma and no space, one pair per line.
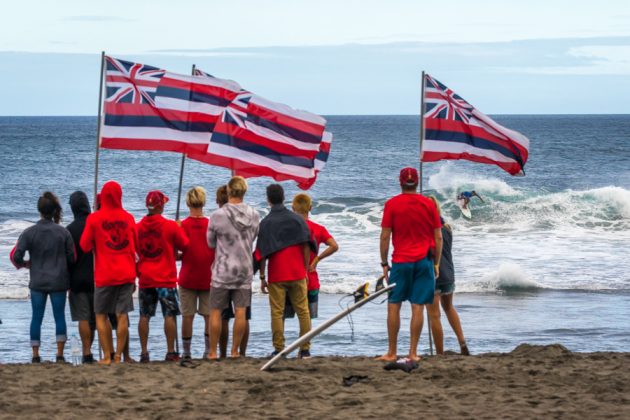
319,235
196,271
287,264
158,240
413,219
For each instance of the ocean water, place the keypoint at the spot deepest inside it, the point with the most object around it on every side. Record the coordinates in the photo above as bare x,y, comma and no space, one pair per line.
558,237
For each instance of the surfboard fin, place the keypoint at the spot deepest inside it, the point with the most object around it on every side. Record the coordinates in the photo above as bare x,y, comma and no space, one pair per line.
361,292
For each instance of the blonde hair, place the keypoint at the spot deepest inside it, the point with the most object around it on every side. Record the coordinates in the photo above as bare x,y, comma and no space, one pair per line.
437,204
222,195
237,187
196,197
302,203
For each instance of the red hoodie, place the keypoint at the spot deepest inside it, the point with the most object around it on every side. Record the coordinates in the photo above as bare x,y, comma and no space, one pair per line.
111,233
159,239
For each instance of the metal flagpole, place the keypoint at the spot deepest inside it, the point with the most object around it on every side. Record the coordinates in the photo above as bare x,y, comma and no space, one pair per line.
422,111
179,199
98,148
98,128
181,172
421,127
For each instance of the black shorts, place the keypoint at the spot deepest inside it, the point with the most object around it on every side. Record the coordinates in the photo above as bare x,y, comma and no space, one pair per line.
229,313
167,297
114,299
313,299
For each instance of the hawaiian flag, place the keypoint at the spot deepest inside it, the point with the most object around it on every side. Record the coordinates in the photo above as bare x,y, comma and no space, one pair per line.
257,137
147,108
454,129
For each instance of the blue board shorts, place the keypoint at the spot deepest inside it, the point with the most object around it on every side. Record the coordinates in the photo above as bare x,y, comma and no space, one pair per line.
415,282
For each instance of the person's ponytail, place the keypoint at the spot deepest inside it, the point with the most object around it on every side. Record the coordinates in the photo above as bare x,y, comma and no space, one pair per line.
49,207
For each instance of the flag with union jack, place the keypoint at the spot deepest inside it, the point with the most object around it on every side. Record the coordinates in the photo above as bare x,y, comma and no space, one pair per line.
147,108
257,137
454,129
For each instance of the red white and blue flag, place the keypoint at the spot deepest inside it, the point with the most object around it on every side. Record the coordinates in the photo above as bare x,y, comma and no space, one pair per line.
147,108
257,137
454,129
211,120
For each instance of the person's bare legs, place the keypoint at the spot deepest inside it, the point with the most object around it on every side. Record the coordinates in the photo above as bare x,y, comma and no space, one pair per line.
170,330
126,356
453,319
240,324
122,335
243,347
225,334
104,329
215,332
60,347
415,327
206,336
35,351
143,333
393,326
436,324
187,332
87,335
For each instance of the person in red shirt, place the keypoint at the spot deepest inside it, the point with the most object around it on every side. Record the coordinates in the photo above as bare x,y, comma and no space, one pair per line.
111,233
302,205
413,224
196,271
159,239
285,242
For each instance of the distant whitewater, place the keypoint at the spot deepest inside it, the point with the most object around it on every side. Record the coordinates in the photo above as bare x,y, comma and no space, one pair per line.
564,226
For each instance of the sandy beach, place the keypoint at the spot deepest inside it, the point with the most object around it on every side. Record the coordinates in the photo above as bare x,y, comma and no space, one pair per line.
531,381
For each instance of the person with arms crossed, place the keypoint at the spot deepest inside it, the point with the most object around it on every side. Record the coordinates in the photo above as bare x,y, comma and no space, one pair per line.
159,239
111,233
412,223
51,253
285,241
231,233
195,275
228,313
81,295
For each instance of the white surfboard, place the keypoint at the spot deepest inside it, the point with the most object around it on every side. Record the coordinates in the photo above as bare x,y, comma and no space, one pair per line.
320,328
465,211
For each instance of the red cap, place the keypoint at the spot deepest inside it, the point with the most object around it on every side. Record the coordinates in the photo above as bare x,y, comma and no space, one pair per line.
156,199
408,176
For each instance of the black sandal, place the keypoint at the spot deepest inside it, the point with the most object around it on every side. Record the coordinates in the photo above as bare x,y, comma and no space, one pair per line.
36,359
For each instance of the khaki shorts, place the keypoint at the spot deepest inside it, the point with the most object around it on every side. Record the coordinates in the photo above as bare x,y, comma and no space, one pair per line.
194,301
221,298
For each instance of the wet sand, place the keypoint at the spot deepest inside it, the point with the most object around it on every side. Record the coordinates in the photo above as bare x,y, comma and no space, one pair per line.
531,381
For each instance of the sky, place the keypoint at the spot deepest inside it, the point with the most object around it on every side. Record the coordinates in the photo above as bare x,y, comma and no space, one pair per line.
329,57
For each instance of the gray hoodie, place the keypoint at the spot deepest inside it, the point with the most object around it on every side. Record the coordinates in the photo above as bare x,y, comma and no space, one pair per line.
231,231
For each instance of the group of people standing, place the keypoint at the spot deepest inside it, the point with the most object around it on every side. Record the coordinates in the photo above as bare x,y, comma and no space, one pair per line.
100,254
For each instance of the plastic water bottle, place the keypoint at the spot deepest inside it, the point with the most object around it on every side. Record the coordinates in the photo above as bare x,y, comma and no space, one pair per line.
76,351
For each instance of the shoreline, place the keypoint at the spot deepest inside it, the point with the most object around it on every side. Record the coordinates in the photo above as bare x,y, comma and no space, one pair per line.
528,381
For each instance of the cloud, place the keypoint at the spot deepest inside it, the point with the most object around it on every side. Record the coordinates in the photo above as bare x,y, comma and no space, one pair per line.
588,60
96,18
209,52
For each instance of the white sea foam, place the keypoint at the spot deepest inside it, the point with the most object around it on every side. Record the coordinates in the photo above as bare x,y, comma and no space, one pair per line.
508,277
448,181
516,240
